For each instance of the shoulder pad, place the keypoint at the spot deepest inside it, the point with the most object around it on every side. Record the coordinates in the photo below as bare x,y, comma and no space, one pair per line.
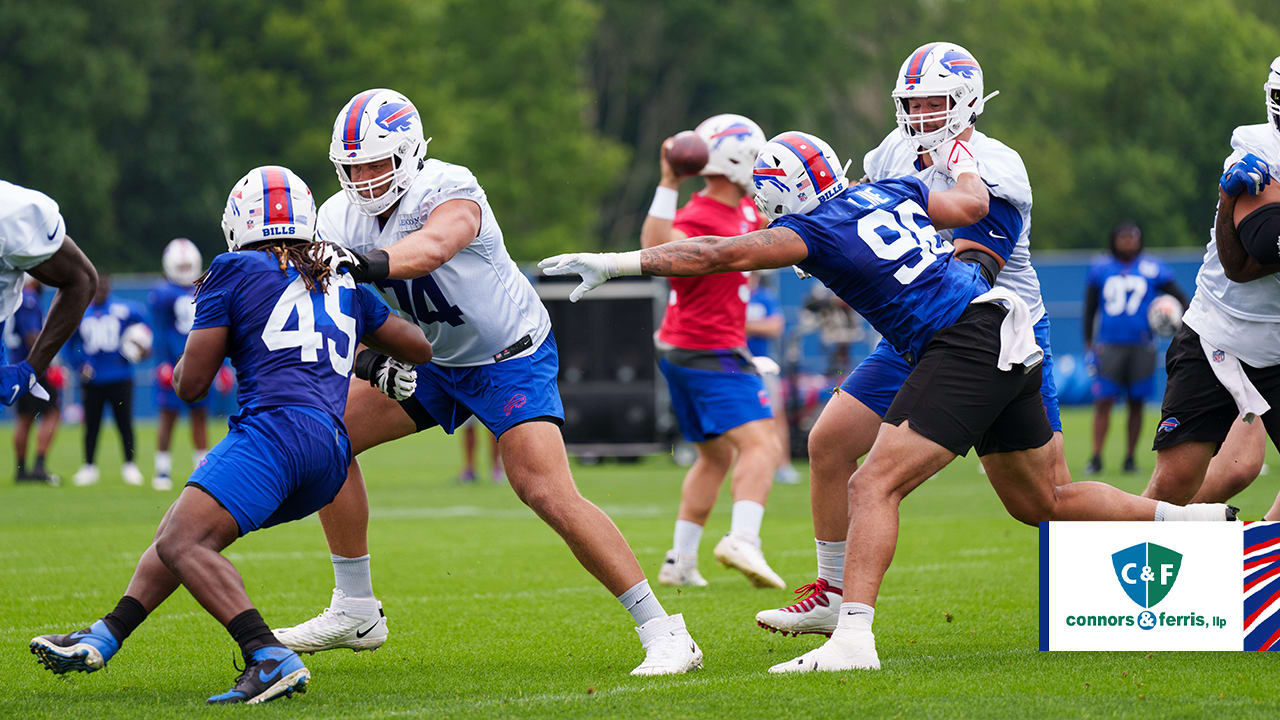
1002,170
893,157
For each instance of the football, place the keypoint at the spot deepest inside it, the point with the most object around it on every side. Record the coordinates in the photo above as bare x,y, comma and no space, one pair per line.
688,153
1165,315
135,342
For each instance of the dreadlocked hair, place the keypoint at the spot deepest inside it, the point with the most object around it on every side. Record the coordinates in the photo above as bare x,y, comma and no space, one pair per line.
306,257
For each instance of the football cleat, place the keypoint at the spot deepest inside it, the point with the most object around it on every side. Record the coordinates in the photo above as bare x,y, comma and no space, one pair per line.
272,672
668,648
744,555
163,483
1214,512
82,651
355,623
816,612
131,474
853,651
86,475
680,570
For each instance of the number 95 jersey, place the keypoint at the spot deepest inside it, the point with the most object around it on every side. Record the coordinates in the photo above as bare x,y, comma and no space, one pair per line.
473,306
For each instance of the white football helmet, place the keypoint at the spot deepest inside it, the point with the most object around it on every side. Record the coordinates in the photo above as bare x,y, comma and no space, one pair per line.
1272,89
375,125
181,261
733,142
939,69
795,173
269,203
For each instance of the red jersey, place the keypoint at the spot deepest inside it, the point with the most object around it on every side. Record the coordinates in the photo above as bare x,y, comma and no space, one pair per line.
709,312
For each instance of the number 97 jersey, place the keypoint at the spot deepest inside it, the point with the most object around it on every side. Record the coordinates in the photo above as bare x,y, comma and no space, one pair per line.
289,346
472,307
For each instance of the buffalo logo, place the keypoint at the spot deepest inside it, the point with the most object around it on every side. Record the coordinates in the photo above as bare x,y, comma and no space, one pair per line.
396,117
515,403
740,131
1219,356
1146,572
960,64
773,175
763,396
1167,424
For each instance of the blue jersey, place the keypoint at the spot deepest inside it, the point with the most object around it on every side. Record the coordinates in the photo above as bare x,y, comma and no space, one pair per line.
173,310
97,341
26,320
763,304
290,347
1126,290
875,247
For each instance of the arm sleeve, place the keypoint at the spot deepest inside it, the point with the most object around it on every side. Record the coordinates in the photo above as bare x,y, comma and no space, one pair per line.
213,300
1259,233
999,230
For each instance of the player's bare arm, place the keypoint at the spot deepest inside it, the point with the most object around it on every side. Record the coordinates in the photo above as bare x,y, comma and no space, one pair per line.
450,228
759,250
199,364
1238,265
962,205
76,280
400,339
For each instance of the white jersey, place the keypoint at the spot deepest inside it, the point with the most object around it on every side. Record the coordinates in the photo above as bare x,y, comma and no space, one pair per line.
1240,318
1002,170
473,306
31,231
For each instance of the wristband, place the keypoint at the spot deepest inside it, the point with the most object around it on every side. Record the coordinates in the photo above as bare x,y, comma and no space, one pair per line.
377,265
367,363
628,262
664,204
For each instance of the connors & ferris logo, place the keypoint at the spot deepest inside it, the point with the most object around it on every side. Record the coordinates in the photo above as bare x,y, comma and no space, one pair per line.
1146,572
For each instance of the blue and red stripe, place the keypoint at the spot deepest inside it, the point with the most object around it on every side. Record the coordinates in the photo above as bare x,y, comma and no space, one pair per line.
277,201
351,126
815,163
915,67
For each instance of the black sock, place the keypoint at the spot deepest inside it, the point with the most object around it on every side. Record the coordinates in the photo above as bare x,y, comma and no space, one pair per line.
39,463
250,632
126,618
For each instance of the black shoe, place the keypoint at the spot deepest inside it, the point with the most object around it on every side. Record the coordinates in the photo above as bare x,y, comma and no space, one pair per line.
22,476
1094,467
272,672
1130,466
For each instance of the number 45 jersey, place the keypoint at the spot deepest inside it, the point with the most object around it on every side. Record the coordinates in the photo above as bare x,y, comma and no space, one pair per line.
473,306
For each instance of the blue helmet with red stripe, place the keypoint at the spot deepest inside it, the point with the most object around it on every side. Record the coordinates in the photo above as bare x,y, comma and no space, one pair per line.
794,173
938,70
270,203
376,125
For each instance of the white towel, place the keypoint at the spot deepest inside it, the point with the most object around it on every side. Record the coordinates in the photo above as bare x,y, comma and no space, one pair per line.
1017,333
1230,373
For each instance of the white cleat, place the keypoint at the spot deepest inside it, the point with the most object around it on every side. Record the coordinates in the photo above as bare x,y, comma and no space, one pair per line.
1212,512
163,483
355,623
854,651
86,475
816,612
132,475
680,570
668,648
744,555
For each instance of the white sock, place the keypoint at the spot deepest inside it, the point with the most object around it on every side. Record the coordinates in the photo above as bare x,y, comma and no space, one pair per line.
197,457
687,537
855,616
1163,510
164,463
352,577
830,562
640,601
747,516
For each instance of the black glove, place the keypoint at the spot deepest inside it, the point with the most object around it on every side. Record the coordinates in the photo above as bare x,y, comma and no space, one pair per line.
397,380
364,267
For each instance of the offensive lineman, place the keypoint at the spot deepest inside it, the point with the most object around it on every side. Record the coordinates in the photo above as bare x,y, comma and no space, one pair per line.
976,380
423,232
717,394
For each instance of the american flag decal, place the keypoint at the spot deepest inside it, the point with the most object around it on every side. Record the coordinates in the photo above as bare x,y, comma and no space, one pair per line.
1262,586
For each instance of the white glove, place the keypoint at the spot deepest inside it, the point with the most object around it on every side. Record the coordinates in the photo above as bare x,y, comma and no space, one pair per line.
955,158
397,380
765,365
800,273
595,268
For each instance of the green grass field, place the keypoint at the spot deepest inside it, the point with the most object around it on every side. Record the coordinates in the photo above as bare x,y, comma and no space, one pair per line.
491,617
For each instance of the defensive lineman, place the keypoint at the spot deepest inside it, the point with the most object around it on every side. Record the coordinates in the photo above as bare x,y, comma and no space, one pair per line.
423,232
976,380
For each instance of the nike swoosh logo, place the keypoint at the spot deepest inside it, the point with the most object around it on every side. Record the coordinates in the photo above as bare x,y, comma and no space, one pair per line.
55,229
267,677
998,237
366,631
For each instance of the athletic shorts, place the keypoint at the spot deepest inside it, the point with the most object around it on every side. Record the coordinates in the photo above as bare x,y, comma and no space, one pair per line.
713,391
877,378
276,465
29,404
958,398
501,395
167,399
1196,407
1125,371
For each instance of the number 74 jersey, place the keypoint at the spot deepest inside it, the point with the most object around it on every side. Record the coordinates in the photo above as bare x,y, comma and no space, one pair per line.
472,307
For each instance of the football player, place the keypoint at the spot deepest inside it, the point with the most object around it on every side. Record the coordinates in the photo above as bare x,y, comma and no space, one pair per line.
33,239
1224,363
287,450
173,309
105,363
765,327
20,334
422,231
975,380
717,395
1125,348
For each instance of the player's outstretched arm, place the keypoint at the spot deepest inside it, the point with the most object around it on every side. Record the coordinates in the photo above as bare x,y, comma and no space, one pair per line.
1252,216
400,339
74,276
967,202
199,364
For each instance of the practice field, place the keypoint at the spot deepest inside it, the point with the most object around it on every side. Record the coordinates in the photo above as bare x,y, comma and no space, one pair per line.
491,617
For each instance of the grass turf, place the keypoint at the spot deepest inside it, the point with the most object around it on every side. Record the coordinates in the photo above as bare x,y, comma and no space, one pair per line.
491,617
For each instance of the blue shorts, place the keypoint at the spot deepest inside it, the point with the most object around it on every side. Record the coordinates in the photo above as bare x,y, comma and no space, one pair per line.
276,465
709,403
167,399
501,395
877,378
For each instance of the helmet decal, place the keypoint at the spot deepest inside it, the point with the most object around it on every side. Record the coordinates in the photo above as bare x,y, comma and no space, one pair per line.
738,131
355,111
960,64
277,205
396,117
915,66
820,172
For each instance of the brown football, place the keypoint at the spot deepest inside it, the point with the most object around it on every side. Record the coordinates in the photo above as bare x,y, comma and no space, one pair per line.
688,154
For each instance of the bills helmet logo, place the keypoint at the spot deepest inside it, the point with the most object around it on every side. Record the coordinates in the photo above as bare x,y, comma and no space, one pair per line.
960,64
762,174
737,130
396,117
